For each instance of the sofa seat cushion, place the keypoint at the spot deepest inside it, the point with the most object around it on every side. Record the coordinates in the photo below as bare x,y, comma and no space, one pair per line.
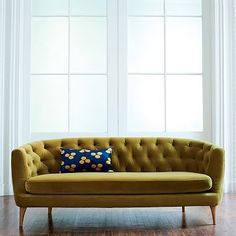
119,183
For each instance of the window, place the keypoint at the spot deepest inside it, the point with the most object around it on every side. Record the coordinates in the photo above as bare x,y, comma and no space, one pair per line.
69,66
110,68
164,66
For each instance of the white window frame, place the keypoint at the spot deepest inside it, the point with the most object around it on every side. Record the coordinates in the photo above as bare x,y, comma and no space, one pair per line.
207,54
117,76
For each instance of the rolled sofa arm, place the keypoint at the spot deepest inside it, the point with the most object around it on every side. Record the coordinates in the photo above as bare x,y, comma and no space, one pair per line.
215,165
20,170
25,164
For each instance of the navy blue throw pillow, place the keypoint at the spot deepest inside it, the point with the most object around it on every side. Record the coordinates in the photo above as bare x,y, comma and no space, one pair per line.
73,160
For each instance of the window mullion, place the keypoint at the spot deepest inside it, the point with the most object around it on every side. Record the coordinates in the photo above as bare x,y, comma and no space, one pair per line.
165,120
69,18
112,68
123,72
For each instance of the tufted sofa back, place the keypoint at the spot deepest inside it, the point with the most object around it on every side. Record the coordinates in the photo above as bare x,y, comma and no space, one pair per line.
129,154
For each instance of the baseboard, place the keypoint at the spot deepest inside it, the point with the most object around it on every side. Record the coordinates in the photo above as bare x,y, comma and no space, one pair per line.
230,187
233,188
1,189
6,189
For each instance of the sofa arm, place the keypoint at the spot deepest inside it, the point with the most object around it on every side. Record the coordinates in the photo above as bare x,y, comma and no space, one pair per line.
214,163
21,170
25,164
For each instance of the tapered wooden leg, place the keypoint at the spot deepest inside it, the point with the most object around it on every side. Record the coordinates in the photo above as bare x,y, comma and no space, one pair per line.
22,214
183,209
213,213
49,211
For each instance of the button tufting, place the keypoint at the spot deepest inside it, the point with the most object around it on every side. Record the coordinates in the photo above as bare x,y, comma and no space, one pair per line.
167,155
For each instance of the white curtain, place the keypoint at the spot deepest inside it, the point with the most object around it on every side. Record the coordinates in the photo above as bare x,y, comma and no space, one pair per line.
10,81
232,31
224,87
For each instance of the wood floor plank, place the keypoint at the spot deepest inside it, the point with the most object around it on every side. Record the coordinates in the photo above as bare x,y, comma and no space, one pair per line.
119,221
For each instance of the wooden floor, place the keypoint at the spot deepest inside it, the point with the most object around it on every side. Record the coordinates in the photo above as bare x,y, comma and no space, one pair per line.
112,222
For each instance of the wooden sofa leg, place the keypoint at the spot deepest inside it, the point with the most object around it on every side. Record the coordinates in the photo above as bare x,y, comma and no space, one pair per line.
49,211
183,209
213,213
22,215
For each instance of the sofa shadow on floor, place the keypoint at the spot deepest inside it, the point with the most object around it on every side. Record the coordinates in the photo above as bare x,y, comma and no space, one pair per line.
132,221
119,221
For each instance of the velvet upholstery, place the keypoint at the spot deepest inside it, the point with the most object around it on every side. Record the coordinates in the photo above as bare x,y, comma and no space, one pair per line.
149,155
119,183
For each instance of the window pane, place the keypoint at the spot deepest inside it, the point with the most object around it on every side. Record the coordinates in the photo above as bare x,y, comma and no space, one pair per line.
145,45
88,7
88,103
145,103
88,47
184,103
49,7
145,7
49,102
183,45
183,7
49,45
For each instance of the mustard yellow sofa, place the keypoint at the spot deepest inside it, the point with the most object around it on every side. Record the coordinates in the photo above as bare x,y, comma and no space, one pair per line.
148,172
